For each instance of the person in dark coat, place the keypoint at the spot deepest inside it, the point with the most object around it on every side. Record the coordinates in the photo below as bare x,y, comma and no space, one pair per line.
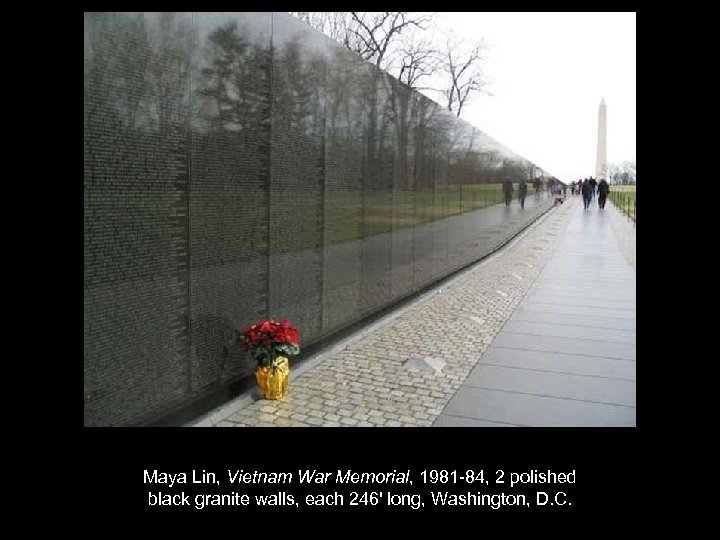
507,191
603,190
522,192
586,193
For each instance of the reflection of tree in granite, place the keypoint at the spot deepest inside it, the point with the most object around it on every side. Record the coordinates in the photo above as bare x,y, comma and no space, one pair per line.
144,71
298,153
235,80
135,204
345,116
298,83
230,154
169,71
135,139
296,186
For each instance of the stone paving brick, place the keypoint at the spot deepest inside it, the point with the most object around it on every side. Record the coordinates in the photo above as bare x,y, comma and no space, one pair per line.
248,420
366,384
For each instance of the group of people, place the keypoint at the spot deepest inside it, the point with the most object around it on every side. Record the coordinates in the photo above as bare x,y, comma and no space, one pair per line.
554,187
588,187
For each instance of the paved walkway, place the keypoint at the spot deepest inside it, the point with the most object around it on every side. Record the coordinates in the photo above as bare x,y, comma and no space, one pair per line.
542,334
566,357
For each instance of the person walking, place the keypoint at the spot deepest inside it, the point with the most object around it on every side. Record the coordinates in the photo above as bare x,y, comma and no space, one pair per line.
572,188
507,191
522,192
593,184
587,194
603,190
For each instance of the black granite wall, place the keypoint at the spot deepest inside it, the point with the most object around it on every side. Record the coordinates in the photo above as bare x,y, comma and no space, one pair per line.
240,166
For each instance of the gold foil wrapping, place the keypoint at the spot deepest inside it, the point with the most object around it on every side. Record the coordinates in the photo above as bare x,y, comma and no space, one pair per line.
273,382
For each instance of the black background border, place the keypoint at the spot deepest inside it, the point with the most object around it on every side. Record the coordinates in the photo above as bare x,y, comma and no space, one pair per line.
613,465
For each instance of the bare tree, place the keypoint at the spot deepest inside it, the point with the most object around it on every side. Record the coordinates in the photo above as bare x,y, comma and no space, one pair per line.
622,173
415,59
375,32
398,42
372,35
401,44
463,67
630,168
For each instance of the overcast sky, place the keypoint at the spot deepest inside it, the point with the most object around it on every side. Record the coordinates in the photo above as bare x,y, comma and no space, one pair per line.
548,73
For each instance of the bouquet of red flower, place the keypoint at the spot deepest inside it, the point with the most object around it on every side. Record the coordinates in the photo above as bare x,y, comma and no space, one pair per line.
268,340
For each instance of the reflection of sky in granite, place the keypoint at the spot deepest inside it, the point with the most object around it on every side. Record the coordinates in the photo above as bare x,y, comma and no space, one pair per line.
227,181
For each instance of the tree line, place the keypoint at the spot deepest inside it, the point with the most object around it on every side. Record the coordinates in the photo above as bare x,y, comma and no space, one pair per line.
401,43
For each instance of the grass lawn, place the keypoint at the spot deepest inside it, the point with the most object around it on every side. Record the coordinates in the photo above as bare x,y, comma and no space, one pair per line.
623,197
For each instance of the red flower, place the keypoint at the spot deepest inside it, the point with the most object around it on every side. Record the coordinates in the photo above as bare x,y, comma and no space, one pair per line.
265,326
293,336
263,338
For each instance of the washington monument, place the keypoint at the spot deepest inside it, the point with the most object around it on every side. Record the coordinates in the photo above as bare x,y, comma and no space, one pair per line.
601,164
